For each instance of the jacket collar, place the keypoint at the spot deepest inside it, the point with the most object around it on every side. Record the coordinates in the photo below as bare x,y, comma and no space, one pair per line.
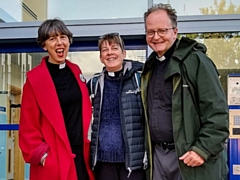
129,68
182,49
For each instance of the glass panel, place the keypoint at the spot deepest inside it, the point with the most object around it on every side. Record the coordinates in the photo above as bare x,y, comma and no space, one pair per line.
206,7
27,10
224,50
90,63
13,68
12,163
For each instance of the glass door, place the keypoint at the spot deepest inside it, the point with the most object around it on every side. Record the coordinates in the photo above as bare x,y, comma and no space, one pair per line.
13,68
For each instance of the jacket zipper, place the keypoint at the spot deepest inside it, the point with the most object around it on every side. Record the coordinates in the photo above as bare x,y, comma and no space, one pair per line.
129,172
145,161
123,134
100,109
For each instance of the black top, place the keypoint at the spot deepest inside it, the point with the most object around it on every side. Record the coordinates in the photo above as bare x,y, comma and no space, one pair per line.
160,101
70,99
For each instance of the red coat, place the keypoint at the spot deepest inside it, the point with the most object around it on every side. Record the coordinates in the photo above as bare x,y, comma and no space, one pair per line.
42,126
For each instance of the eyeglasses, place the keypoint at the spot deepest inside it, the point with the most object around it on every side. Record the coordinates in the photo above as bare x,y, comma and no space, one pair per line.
109,35
111,38
160,32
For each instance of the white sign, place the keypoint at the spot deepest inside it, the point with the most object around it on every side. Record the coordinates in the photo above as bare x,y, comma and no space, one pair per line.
234,90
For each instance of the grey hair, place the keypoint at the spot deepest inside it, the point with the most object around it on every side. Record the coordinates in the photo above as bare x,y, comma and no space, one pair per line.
52,27
172,14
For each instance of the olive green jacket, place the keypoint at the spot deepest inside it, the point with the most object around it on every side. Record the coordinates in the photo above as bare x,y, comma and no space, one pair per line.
203,129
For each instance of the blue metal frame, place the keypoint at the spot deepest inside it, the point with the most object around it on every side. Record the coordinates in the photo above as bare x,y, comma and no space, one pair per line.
6,127
233,157
79,44
233,146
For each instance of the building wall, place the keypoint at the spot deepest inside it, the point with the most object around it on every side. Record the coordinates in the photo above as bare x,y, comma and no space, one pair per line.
34,10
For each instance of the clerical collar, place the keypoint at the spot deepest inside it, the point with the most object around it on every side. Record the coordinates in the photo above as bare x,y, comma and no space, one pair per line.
169,52
162,58
58,66
114,74
61,66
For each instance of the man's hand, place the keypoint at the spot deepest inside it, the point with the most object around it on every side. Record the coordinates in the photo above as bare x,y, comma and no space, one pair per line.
192,159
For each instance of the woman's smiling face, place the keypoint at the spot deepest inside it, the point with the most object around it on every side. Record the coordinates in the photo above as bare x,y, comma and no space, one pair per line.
112,56
57,47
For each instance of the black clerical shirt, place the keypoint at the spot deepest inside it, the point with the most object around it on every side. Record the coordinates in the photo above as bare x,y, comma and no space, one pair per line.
70,99
160,101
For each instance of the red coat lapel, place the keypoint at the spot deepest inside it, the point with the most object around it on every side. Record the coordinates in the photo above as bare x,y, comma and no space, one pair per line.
48,100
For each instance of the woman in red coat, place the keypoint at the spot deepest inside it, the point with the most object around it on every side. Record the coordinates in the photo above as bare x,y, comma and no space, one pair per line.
55,112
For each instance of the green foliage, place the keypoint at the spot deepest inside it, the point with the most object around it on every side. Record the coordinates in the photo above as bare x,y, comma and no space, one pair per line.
223,47
220,8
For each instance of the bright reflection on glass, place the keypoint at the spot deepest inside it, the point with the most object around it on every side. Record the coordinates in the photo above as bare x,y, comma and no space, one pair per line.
25,10
206,7
224,50
13,68
90,63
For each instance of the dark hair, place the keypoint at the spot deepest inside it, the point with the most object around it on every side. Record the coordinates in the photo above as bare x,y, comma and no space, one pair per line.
172,14
111,38
52,27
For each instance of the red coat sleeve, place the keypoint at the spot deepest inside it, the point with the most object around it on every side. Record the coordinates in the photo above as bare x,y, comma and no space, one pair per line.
31,141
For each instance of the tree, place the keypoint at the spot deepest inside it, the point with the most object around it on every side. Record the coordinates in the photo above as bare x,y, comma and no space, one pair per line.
223,47
220,8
